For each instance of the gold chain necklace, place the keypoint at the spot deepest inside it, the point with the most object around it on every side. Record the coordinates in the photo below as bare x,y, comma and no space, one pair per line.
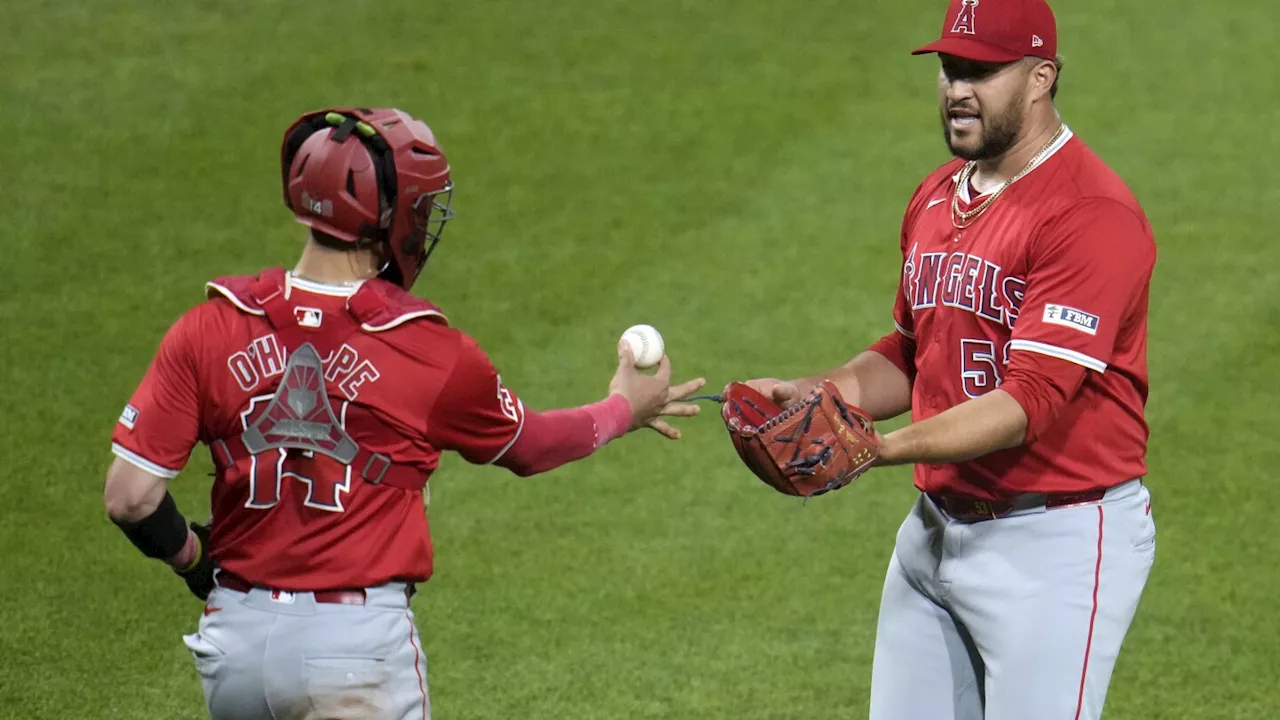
967,218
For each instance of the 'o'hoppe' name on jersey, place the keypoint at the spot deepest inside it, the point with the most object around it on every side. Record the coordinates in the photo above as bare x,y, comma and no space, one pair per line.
964,281
265,359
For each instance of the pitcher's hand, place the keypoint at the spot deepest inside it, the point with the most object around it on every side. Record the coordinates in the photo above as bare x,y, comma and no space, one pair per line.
783,393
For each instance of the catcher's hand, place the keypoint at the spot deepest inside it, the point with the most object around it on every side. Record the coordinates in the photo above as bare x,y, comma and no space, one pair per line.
199,575
818,444
653,396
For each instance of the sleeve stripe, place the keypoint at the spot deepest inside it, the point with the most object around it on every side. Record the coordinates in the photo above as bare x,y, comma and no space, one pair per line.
1078,358
507,447
137,460
905,332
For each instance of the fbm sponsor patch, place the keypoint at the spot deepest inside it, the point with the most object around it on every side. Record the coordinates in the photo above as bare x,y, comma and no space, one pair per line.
1071,317
129,416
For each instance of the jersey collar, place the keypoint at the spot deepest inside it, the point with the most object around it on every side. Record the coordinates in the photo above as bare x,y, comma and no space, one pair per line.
1053,150
292,281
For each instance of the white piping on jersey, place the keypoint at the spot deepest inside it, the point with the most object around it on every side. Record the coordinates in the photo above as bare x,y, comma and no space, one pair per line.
234,300
1078,358
514,438
1053,150
907,333
301,284
142,463
331,289
400,320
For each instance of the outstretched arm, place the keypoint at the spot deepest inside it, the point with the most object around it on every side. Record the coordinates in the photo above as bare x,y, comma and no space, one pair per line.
873,381
483,421
870,381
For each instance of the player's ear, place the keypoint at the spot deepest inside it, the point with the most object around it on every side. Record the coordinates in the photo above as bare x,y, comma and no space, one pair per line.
1044,73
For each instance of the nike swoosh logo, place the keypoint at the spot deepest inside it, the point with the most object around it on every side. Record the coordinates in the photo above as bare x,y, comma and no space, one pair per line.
938,201
211,610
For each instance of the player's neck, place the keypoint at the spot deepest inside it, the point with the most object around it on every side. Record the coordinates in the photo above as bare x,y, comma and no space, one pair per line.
993,172
335,267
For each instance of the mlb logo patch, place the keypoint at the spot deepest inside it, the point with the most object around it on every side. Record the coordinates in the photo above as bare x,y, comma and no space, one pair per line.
309,317
1071,317
129,416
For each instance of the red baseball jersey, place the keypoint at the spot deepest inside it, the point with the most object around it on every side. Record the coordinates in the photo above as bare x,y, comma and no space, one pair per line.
298,522
1060,267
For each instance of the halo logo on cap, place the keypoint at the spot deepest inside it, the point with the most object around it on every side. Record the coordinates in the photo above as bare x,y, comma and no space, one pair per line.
964,24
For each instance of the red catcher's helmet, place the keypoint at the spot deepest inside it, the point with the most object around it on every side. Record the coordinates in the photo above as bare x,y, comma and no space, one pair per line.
356,173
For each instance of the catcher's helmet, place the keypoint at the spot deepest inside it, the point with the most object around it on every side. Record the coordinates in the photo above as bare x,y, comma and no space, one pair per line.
357,173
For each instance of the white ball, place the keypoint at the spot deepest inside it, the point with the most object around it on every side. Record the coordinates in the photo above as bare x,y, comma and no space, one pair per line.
646,344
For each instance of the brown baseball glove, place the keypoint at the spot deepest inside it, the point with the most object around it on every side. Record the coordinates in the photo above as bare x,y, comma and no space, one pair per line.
818,445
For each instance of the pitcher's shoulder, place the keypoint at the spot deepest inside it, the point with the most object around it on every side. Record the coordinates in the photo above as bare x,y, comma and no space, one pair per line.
1092,178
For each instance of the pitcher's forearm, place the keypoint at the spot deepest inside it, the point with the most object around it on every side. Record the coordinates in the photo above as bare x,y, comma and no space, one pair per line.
969,430
869,381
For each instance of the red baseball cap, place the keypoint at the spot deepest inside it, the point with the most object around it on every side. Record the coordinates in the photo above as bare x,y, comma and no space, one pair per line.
997,31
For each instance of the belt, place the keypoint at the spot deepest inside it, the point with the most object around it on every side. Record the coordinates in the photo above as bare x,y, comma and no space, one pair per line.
231,581
970,509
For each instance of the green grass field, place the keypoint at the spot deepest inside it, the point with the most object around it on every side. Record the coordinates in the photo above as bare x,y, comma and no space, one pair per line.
686,164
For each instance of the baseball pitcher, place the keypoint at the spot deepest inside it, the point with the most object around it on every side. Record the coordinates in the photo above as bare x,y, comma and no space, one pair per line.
1020,351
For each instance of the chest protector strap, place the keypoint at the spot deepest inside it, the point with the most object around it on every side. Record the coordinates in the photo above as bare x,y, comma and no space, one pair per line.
300,416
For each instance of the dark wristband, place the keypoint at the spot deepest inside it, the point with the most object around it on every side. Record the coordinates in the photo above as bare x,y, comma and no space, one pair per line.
160,535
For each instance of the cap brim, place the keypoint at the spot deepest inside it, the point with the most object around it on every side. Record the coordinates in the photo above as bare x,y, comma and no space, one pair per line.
969,49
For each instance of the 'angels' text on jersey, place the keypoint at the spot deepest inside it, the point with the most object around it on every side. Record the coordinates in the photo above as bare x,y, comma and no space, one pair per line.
264,359
965,281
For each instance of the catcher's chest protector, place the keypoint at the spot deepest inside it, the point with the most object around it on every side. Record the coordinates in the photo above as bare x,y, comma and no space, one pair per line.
300,416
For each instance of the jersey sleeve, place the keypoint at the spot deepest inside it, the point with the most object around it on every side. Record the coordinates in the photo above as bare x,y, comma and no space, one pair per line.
903,321
475,415
899,346
161,424
1086,271
1042,386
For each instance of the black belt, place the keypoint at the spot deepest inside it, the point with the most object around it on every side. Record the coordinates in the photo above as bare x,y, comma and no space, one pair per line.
969,509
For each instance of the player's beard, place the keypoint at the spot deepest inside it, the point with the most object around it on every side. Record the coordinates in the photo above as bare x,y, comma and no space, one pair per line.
999,132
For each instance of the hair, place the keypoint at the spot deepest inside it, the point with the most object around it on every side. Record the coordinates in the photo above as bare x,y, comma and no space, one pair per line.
330,242
1057,64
